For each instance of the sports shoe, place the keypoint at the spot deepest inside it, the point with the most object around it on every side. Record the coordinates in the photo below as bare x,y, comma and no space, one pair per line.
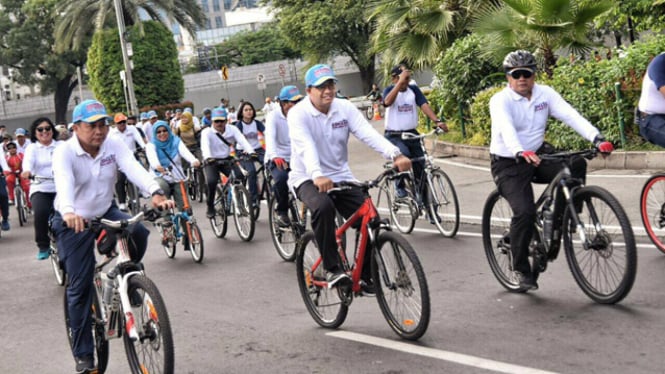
526,281
431,219
5,225
336,277
367,288
122,207
210,213
11,201
43,254
283,220
85,365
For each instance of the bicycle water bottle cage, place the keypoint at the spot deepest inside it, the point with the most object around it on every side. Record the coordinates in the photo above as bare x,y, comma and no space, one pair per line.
106,242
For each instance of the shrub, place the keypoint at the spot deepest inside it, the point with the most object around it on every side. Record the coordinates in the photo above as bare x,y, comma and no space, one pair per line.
480,126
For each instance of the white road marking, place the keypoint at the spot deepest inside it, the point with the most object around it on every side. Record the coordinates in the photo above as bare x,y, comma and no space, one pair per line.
458,358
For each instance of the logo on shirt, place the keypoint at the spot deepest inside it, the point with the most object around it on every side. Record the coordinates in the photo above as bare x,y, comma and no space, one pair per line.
110,159
541,106
341,124
405,108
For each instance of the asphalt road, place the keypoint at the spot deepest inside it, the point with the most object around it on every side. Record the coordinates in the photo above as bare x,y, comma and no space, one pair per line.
240,311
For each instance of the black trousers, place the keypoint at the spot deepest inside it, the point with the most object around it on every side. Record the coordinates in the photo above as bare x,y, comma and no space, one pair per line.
211,172
42,207
323,207
513,180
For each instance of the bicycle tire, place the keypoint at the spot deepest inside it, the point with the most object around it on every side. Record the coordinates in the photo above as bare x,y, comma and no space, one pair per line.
652,210
284,239
403,211
614,256
168,238
202,188
219,222
496,218
443,203
323,304
405,306
369,113
152,322
98,333
134,199
58,269
195,241
20,206
242,213
192,187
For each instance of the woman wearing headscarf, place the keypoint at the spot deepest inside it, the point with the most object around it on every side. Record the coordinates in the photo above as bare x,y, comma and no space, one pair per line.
165,152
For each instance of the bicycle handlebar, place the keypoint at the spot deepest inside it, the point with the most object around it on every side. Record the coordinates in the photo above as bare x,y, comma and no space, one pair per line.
409,136
363,185
586,153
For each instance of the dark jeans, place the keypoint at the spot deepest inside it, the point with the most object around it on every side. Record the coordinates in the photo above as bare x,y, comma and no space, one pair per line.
323,207
76,251
42,207
513,180
410,148
652,128
251,173
212,179
4,198
280,187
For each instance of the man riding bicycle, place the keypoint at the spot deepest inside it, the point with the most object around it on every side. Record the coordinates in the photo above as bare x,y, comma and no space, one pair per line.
278,150
133,139
519,119
320,126
85,169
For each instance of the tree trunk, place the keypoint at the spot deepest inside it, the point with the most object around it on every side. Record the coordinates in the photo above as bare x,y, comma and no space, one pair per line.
63,92
367,75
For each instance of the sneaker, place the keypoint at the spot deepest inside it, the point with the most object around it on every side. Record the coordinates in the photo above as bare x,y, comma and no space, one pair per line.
122,207
526,281
283,220
336,277
210,213
85,365
43,254
5,225
367,288
431,220
11,201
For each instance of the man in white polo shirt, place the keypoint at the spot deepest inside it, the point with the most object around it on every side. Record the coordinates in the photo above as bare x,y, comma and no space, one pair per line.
85,169
651,115
132,138
320,126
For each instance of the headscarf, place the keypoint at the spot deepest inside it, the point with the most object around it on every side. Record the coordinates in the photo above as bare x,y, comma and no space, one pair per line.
169,147
186,122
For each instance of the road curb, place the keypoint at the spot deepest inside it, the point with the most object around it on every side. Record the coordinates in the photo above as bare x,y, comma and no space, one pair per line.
635,160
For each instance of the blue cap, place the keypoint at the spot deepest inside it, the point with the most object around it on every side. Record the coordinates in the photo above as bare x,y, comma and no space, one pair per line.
188,110
89,111
319,74
143,116
289,93
219,113
21,132
152,114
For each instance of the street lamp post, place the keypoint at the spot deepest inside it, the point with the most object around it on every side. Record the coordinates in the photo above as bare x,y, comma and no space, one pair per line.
125,58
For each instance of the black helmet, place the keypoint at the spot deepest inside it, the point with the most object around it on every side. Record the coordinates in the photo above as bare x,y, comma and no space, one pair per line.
519,59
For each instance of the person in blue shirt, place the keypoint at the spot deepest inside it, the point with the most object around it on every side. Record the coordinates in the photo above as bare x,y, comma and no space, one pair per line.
651,115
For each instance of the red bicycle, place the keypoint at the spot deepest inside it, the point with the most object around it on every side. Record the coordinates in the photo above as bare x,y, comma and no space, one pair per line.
399,278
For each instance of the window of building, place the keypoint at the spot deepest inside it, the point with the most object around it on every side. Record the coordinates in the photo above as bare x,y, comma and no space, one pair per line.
215,6
218,22
204,6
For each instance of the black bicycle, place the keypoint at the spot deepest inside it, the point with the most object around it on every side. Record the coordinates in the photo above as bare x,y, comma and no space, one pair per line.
597,236
232,198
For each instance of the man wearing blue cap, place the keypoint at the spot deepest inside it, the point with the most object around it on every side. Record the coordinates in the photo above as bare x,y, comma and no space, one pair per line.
278,150
320,126
216,142
85,169
147,126
22,142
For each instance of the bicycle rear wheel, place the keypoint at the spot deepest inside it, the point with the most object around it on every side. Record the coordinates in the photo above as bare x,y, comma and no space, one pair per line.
324,304
652,210
443,205
219,222
401,286
242,213
403,211
194,241
98,334
153,351
496,218
58,270
606,270
285,239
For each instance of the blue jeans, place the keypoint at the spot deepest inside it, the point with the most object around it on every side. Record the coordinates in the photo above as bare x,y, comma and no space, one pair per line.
280,187
410,148
76,251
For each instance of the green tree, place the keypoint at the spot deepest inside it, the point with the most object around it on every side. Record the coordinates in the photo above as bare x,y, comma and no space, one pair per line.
26,45
254,47
543,26
157,77
324,29
628,18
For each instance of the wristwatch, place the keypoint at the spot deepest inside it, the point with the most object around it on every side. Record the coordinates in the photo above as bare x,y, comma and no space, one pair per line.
159,192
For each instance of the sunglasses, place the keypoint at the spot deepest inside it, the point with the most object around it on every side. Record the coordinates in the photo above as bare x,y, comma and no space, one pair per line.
219,121
42,129
162,131
519,73
121,122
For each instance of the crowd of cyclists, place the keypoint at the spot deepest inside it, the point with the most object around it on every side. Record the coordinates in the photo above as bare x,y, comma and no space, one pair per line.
303,142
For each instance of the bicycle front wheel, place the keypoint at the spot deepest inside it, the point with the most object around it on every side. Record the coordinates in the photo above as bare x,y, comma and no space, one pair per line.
401,286
98,334
58,270
219,221
284,238
496,218
21,206
324,304
242,213
153,351
167,236
605,267
194,241
652,209
404,210
134,199
443,205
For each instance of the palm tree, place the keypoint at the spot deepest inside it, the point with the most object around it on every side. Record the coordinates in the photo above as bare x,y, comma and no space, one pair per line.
542,26
81,18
